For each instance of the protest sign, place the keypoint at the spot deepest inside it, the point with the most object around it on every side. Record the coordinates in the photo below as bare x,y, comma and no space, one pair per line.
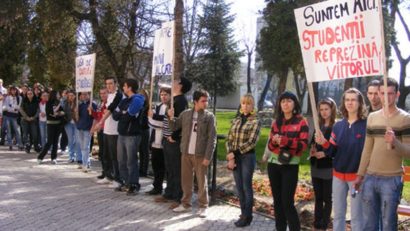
163,55
341,39
84,73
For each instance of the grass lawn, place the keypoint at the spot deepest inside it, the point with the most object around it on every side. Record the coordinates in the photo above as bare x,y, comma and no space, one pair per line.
223,125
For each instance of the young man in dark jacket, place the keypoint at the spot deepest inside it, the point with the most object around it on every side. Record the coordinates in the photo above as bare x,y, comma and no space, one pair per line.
129,136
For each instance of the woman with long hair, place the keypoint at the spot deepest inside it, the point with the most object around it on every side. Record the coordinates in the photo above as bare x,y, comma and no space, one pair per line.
345,146
242,138
54,114
29,121
288,139
321,166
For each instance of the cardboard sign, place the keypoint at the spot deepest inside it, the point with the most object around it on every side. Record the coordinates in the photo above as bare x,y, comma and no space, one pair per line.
341,39
84,73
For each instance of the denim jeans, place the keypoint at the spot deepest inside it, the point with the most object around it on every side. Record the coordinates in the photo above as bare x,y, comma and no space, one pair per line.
340,190
12,124
245,166
83,139
71,135
43,132
128,159
381,196
29,132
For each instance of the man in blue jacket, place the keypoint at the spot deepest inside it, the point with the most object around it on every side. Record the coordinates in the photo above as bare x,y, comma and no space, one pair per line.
129,136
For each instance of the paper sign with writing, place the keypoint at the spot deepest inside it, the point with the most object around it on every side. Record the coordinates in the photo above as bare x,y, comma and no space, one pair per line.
84,73
162,62
340,39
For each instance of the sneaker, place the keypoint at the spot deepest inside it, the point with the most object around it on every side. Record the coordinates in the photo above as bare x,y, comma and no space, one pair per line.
71,161
114,184
39,161
104,181
182,209
174,205
54,161
85,170
132,191
27,149
80,167
201,212
120,188
10,148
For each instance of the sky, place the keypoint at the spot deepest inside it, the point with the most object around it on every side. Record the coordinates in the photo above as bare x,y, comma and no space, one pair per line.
245,27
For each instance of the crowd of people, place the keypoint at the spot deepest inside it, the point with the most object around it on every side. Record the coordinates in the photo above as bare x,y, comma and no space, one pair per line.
358,156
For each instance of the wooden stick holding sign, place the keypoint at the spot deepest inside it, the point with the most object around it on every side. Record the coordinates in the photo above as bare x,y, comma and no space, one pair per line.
173,63
384,65
313,104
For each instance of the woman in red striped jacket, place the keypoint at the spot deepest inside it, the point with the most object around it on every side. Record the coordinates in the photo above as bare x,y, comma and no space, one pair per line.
288,139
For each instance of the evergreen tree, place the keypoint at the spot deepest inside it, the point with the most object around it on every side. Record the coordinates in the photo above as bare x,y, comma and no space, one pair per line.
217,62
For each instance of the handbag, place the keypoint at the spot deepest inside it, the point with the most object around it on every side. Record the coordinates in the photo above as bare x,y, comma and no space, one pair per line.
284,156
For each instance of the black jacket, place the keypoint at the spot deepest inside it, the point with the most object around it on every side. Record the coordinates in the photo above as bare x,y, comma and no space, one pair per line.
128,125
29,108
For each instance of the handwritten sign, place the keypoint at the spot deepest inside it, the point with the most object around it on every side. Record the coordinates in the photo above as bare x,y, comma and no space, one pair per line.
340,39
84,73
163,50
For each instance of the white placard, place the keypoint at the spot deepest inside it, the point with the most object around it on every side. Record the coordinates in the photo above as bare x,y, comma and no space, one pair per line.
84,73
341,39
162,63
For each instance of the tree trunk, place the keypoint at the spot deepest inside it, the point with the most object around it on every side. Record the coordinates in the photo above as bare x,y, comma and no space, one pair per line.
282,82
178,43
348,84
248,72
265,91
404,90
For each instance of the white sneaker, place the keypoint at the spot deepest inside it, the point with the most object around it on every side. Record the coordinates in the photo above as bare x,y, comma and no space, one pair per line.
105,180
114,184
201,212
39,161
182,209
54,161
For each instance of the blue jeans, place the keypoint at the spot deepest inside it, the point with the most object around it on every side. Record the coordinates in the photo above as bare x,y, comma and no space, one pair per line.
43,132
245,166
340,190
12,124
381,196
30,133
71,135
128,159
83,140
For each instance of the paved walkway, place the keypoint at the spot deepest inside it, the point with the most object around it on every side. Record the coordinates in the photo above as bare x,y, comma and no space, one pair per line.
61,197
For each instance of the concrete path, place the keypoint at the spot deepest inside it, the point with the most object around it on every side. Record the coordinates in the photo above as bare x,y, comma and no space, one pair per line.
61,197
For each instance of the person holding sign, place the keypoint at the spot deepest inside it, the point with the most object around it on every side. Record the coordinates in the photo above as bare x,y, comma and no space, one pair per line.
345,147
287,141
242,138
156,122
380,170
321,166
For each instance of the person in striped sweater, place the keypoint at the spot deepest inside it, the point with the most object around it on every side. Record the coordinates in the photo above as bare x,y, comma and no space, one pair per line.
287,141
